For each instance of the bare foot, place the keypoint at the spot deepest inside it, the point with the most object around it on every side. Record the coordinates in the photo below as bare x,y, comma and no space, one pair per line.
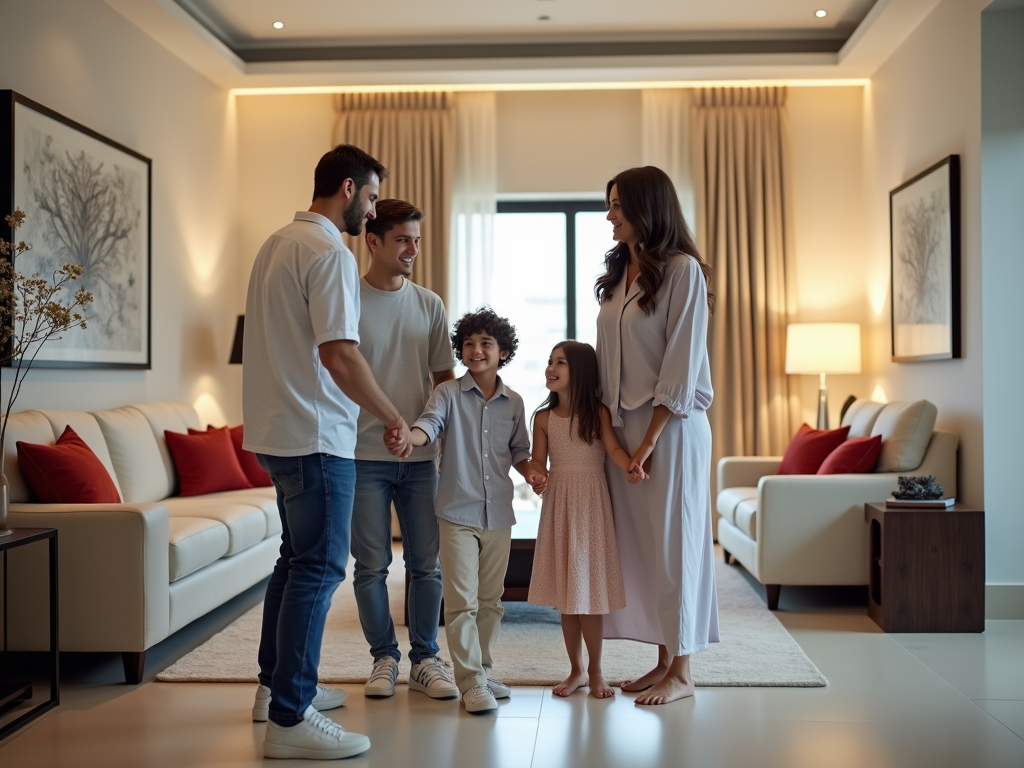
645,682
570,684
600,689
669,689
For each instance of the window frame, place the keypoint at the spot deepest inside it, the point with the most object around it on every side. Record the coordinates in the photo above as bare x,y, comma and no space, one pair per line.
570,208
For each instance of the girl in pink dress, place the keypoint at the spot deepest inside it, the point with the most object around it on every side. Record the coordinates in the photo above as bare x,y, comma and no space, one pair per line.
576,563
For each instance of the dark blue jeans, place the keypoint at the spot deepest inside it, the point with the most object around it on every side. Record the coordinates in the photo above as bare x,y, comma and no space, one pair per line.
412,486
314,497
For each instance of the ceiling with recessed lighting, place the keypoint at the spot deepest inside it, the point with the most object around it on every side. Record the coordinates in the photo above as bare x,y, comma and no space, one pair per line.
248,26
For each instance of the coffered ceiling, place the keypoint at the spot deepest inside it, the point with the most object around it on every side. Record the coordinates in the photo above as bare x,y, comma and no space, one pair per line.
296,43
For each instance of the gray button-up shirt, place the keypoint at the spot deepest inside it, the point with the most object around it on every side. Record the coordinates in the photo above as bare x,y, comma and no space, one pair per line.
482,440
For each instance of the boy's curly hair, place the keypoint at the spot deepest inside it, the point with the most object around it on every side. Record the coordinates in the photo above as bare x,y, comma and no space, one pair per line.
485,320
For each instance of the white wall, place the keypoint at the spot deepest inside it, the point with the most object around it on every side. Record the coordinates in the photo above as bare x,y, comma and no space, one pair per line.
566,141
85,61
1002,194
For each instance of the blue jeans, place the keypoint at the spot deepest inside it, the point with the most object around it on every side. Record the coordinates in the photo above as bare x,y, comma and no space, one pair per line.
412,486
314,498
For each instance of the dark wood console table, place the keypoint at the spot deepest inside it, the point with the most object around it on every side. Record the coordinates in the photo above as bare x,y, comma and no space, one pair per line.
14,692
927,568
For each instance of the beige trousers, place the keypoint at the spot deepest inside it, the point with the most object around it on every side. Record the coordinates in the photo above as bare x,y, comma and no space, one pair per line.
473,563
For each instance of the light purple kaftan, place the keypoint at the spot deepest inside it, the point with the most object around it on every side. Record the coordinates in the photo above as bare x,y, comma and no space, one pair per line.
663,525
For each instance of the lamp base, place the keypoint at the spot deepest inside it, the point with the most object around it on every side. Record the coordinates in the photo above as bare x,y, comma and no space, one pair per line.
823,408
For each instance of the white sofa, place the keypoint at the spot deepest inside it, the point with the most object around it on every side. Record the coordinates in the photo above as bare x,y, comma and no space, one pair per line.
811,529
131,574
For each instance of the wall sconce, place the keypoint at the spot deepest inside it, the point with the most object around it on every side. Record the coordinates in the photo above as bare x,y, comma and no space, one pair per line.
822,348
236,346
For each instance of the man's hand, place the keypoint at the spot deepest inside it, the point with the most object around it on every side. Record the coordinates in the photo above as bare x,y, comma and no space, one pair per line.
537,477
397,439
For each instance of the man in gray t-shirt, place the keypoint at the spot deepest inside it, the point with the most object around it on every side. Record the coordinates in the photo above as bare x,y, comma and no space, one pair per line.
404,335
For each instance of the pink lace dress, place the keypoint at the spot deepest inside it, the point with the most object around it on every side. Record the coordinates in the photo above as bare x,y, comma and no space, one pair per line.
576,562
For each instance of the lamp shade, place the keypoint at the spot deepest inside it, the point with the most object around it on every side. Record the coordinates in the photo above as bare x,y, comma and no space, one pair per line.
236,346
823,348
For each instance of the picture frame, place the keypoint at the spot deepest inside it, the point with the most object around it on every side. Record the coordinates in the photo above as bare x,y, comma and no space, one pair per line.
924,240
87,201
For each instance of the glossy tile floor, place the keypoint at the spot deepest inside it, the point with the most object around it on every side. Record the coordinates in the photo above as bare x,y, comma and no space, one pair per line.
893,700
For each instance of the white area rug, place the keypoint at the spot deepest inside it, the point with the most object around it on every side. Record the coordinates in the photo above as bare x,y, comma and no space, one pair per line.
756,650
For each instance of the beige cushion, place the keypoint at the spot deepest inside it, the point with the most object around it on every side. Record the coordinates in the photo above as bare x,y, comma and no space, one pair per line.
906,429
746,517
194,542
29,427
246,524
264,498
729,499
88,429
175,417
860,417
135,454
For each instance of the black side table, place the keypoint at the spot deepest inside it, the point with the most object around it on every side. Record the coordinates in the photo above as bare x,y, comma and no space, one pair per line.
12,692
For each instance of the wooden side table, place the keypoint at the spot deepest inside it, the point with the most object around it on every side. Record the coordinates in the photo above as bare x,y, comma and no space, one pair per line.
14,692
927,568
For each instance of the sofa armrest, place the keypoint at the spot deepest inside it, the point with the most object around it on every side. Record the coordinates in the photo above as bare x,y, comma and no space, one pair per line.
811,528
745,471
112,573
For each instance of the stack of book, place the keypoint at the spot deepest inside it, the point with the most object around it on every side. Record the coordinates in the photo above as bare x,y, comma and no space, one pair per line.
944,503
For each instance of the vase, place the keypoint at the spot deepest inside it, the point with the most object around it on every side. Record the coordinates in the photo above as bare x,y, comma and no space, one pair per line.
5,503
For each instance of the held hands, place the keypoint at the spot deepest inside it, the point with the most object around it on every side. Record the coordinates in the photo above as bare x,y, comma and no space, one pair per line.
537,477
640,464
397,439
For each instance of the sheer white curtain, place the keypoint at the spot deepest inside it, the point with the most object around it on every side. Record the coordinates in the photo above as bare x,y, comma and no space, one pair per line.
665,140
474,202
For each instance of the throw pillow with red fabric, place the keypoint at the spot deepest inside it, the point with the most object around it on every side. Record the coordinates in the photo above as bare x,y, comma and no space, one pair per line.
809,448
205,462
67,472
250,466
858,454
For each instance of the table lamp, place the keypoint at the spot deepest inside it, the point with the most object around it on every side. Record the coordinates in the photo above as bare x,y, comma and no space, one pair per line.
822,348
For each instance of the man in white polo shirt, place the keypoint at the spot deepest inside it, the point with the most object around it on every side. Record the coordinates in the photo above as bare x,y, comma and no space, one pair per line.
304,383
405,333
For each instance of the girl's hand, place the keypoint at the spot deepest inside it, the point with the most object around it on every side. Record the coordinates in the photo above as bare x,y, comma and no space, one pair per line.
638,475
642,459
537,477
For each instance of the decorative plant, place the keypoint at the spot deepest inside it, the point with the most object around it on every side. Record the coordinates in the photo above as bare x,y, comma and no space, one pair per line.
918,488
31,313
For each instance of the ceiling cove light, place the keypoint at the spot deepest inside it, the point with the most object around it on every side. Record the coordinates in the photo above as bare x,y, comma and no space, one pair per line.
278,25
821,14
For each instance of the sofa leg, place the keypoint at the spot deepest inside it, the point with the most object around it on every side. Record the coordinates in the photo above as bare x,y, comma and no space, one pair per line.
726,555
771,592
134,665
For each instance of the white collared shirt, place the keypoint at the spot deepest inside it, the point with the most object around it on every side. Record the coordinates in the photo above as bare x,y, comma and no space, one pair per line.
303,291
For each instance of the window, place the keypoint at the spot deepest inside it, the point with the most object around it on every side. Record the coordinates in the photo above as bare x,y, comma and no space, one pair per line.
547,256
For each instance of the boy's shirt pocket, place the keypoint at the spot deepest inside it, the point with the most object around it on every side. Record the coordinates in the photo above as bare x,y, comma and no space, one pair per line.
502,433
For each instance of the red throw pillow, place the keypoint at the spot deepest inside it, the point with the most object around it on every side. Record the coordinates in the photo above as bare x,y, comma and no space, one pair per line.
66,473
250,466
858,454
205,462
809,448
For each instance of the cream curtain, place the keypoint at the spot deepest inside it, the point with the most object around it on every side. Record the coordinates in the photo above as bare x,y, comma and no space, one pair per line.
665,140
413,134
474,202
741,170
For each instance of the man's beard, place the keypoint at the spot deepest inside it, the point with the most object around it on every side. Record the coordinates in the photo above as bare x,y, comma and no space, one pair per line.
353,218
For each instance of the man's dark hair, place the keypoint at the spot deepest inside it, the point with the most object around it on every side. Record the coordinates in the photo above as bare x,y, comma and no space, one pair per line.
390,213
486,320
345,162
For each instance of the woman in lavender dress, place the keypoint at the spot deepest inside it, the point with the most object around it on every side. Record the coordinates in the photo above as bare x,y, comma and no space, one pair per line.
656,382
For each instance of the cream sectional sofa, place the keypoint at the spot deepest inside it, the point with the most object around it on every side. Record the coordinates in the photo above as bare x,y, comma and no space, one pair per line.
811,529
131,574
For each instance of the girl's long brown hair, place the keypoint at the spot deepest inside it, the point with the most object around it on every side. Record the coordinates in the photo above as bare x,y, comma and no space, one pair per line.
584,402
649,202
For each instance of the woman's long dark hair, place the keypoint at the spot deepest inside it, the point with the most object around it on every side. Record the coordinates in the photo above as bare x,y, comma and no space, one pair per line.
649,203
584,403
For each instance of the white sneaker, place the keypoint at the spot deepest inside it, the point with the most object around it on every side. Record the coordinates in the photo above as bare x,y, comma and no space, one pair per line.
382,679
498,688
316,738
325,698
434,678
478,700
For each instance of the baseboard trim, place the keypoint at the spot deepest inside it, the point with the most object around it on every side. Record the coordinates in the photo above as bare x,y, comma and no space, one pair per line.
1004,601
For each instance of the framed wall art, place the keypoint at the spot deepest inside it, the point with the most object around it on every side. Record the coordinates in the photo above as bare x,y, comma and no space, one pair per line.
87,202
924,221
